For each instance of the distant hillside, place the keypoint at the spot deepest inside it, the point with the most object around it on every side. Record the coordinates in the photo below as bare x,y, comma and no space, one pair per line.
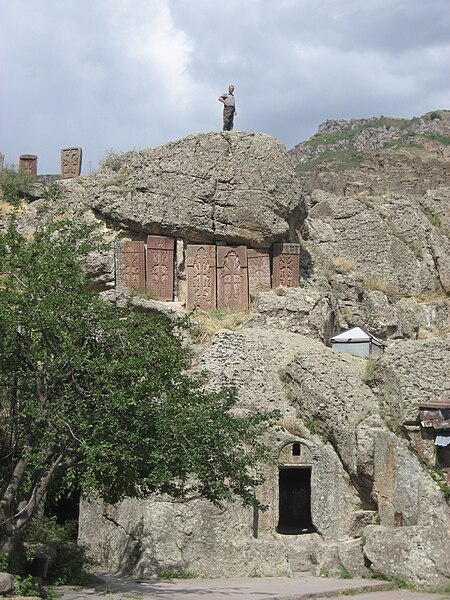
377,154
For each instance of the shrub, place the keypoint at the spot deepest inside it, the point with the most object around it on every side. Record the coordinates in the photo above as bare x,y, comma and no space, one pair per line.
14,185
70,564
46,529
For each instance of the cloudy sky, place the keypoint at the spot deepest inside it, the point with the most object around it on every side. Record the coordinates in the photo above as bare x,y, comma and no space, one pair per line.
115,75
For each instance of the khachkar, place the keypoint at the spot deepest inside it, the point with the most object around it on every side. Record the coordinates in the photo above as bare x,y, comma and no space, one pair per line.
232,277
286,265
70,163
201,277
160,266
258,271
28,165
131,271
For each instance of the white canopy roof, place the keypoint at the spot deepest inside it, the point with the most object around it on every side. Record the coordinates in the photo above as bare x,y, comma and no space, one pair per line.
356,334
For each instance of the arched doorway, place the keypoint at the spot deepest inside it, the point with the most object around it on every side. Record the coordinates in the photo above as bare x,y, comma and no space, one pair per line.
294,489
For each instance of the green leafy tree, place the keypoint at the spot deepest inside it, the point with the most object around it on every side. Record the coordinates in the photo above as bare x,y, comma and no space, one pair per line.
100,397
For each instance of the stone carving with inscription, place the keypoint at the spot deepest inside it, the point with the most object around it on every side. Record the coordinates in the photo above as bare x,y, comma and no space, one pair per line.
160,266
286,265
28,164
70,162
258,271
201,277
232,278
133,267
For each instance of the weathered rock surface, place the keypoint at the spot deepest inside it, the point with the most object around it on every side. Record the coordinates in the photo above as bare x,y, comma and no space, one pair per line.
388,240
233,187
6,583
358,466
413,372
417,555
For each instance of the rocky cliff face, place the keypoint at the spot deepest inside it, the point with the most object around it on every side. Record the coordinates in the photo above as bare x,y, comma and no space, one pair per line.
375,253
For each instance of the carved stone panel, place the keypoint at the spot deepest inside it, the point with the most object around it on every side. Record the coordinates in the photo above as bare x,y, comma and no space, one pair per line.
258,271
286,265
160,266
28,164
201,277
133,265
232,277
70,162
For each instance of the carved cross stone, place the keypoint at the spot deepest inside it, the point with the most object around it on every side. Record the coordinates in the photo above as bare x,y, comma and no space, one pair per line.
258,271
286,265
133,265
232,277
28,164
201,277
160,266
70,162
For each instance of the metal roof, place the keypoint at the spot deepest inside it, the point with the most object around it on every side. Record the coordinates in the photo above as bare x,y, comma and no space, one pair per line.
355,335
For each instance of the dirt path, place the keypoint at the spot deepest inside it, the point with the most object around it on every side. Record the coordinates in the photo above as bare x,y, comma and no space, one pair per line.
261,588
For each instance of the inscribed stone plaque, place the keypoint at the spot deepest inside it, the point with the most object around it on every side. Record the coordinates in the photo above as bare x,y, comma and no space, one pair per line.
28,164
133,265
70,162
286,265
258,271
160,266
201,277
232,277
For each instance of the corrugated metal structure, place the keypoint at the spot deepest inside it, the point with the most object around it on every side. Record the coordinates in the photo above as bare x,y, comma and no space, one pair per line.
358,342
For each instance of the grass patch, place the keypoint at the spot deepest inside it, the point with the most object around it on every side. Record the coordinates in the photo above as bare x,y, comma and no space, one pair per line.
402,584
372,283
343,265
440,478
113,159
292,426
344,572
336,160
206,324
369,376
311,425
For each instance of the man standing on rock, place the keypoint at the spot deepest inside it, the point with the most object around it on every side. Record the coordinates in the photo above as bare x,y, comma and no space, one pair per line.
229,108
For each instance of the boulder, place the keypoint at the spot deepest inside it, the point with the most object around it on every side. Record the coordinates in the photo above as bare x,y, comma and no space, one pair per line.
415,555
234,187
6,584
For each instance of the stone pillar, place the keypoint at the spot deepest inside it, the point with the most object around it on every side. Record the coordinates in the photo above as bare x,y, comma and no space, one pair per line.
258,271
28,164
2,161
131,269
160,266
70,163
286,265
232,278
201,277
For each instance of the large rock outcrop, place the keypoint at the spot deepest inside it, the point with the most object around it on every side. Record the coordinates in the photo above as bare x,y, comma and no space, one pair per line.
233,187
371,256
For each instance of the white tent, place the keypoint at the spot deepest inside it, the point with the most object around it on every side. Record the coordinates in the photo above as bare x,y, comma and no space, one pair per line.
359,342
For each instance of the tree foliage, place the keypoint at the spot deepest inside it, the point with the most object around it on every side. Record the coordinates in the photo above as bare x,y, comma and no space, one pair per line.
99,396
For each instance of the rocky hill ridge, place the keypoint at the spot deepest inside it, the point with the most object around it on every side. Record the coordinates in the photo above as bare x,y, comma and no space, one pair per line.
376,154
